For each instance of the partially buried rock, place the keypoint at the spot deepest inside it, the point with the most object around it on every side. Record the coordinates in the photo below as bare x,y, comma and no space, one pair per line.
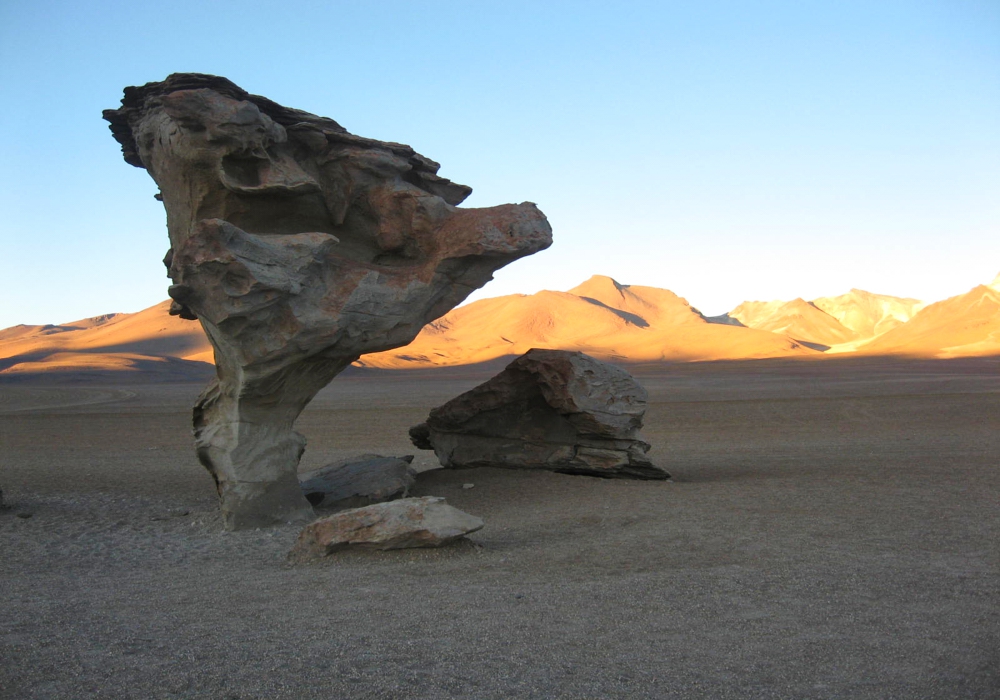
358,481
409,522
549,409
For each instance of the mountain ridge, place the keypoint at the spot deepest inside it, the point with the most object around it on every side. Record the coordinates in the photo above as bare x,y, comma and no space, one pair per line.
601,316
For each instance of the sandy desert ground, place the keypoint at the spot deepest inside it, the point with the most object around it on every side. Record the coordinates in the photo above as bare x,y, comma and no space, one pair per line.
830,531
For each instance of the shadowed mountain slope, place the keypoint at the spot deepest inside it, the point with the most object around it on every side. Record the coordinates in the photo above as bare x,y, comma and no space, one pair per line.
150,341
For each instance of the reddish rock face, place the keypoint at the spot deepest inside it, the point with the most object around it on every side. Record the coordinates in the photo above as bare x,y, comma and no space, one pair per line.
549,409
299,247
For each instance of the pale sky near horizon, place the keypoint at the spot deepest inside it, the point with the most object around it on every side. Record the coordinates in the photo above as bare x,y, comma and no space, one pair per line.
726,151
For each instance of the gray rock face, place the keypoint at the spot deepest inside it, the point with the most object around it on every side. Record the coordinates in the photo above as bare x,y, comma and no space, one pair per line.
408,522
358,481
549,409
299,247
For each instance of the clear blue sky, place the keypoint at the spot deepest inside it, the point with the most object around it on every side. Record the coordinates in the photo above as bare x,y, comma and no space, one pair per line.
724,150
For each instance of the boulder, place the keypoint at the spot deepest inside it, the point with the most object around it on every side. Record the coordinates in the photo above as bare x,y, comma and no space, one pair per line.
358,481
409,522
299,247
549,409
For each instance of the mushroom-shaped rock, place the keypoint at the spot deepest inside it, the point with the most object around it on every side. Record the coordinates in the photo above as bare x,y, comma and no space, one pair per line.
299,247
549,409
409,522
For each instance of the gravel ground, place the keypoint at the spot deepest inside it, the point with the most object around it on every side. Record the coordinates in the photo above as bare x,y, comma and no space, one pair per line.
830,532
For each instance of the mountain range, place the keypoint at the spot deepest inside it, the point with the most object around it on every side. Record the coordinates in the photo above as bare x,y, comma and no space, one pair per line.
601,317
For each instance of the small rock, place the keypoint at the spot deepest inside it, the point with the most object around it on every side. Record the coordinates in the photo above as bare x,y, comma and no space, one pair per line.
409,522
358,481
468,486
24,514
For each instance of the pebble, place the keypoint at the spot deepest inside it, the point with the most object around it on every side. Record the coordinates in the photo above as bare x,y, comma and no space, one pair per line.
468,486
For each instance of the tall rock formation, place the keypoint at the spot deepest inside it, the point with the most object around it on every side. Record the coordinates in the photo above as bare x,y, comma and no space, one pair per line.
299,247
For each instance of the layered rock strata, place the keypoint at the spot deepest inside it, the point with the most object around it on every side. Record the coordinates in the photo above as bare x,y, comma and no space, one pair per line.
549,409
299,247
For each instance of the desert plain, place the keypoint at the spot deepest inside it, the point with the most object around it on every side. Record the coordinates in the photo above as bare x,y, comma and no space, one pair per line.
830,531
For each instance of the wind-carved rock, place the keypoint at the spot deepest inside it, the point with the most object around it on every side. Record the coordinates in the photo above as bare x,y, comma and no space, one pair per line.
299,247
549,409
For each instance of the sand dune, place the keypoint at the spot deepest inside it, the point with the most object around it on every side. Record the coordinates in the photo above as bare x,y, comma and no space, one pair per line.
965,325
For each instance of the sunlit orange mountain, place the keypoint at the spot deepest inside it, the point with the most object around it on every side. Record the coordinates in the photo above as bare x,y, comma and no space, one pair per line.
797,319
867,314
601,317
968,324
828,322
150,341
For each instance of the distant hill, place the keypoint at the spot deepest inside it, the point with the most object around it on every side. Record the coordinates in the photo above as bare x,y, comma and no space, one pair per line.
798,319
968,324
867,314
151,342
600,317
841,323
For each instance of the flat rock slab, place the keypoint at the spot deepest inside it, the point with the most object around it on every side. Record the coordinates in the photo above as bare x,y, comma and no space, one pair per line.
358,481
549,409
409,522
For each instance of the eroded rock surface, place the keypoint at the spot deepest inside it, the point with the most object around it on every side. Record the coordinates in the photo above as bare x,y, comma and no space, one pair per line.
299,247
549,409
358,481
409,522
